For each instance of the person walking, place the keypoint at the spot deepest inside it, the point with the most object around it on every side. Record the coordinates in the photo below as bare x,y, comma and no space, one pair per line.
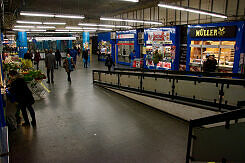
73,54
69,66
109,62
23,96
50,65
58,58
37,58
85,58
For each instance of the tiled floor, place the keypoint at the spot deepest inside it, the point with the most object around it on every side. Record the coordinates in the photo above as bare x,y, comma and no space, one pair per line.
84,123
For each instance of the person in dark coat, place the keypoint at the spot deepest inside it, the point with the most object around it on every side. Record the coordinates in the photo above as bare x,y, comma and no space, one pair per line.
23,96
28,55
73,54
210,64
37,58
85,58
109,62
58,58
50,65
69,66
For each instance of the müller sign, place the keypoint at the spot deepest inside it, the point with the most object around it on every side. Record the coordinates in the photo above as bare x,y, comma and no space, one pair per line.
223,31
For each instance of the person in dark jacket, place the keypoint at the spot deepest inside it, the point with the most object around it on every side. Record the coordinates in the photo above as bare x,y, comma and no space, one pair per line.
109,62
69,66
37,58
58,58
85,58
50,65
210,64
23,96
28,55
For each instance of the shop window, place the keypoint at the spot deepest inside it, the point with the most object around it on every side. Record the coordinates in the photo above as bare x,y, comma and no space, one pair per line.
223,52
125,48
227,54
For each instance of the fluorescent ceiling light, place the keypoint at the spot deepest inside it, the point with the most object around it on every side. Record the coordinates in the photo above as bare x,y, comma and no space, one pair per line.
36,14
131,0
38,30
129,20
27,22
22,26
20,29
120,26
54,23
62,30
104,29
52,15
90,28
46,27
192,10
74,28
70,16
103,25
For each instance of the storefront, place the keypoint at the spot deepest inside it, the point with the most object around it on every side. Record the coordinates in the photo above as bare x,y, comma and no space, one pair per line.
106,45
166,42
223,41
126,43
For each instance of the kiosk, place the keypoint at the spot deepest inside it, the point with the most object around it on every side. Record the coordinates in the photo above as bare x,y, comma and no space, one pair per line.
126,43
224,41
166,41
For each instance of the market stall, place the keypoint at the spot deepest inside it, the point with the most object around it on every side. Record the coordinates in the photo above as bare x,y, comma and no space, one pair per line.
222,41
161,48
126,43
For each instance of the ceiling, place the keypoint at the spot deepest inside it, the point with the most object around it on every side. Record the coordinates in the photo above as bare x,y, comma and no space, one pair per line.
91,9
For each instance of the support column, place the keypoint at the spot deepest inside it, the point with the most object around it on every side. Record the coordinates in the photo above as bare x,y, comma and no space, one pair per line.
70,44
22,43
58,45
85,40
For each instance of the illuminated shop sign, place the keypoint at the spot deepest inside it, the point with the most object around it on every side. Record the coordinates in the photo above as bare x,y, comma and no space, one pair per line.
124,36
223,32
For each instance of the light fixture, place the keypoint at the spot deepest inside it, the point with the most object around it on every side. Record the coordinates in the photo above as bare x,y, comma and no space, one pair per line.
192,10
62,30
131,0
20,29
36,14
74,28
45,27
38,30
27,22
54,23
70,16
120,26
52,15
129,20
103,25
87,28
22,26
104,29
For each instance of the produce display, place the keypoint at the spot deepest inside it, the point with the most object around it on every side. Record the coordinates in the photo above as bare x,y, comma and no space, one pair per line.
23,66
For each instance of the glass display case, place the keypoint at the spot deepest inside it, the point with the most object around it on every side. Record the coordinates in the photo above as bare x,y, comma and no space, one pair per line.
223,52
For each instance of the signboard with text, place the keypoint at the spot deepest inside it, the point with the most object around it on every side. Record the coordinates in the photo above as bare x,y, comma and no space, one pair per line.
220,32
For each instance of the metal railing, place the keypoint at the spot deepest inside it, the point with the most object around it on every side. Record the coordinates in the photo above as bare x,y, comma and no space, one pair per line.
221,143
219,93
207,74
